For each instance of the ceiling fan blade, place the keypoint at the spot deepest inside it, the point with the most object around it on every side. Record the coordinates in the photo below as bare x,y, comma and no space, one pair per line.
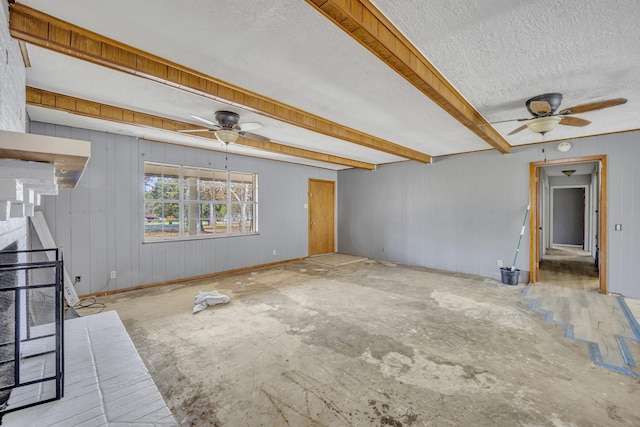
209,122
592,106
574,121
195,130
254,136
249,126
521,128
540,107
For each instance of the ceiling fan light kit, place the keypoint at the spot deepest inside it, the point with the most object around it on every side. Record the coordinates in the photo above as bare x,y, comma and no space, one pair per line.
543,125
226,136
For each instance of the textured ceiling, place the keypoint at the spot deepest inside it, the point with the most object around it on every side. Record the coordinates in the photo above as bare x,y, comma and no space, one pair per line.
499,53
496,54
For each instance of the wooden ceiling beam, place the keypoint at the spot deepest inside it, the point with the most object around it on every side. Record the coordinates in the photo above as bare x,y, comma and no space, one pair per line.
367,25
45,31
96,110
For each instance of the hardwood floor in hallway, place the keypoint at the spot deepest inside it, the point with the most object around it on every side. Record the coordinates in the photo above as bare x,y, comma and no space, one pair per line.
569,266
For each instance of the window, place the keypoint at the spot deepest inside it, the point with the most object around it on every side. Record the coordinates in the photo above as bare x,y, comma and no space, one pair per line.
182,202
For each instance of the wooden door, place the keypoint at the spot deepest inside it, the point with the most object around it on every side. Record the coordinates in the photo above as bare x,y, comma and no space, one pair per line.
321,217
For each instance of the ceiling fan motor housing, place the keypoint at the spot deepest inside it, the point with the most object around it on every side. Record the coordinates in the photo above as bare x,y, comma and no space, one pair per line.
552,99
227,119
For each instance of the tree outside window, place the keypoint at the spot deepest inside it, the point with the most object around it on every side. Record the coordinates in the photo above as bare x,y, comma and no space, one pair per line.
186,202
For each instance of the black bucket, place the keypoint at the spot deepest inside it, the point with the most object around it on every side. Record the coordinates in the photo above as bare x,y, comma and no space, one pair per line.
509,277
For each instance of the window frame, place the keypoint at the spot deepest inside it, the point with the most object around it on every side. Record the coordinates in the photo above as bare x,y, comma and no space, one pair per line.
198,195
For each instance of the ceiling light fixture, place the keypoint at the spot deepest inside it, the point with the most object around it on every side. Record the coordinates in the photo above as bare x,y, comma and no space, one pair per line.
564,146
543,125
226,136
569,172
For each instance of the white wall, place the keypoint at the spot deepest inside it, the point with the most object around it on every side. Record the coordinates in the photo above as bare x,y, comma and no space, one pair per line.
12,78
100,223
463,213
12,112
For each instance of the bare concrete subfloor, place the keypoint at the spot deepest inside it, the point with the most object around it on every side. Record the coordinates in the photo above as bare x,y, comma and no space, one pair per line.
367,343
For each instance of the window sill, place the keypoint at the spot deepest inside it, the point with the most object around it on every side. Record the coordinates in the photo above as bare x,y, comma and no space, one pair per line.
188,239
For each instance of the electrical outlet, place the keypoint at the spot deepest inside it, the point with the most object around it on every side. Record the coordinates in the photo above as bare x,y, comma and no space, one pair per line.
274,252
78,278
113,274
500,264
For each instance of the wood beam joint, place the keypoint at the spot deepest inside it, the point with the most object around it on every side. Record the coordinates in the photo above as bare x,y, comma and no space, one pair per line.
367,25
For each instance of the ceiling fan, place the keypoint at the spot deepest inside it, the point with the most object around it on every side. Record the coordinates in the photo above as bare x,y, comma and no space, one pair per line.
227,128
543,109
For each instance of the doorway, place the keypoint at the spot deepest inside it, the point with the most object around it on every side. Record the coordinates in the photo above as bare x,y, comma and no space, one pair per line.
569,209
568,241
321,217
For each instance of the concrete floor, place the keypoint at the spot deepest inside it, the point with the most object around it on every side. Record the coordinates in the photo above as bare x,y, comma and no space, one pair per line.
368,343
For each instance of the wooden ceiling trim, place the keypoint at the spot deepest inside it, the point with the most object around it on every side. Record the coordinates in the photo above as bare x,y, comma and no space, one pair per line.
96,110
51,33
365,23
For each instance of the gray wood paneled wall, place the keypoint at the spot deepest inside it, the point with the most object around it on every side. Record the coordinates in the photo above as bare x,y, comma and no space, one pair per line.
100,223
463,213
568,216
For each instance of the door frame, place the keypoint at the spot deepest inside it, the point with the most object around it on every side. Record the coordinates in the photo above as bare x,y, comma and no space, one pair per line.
534,218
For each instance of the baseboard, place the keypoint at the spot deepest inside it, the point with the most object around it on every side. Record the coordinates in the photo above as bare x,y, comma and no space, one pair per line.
188,279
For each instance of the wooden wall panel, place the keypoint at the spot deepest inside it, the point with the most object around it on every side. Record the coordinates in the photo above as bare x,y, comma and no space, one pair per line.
143,258
81,224
123,210
98,236
63,211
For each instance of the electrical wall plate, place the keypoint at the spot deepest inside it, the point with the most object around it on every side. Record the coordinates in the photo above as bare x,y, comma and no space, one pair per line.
564,146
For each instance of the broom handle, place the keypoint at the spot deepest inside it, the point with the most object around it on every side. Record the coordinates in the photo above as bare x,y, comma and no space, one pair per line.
524,224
